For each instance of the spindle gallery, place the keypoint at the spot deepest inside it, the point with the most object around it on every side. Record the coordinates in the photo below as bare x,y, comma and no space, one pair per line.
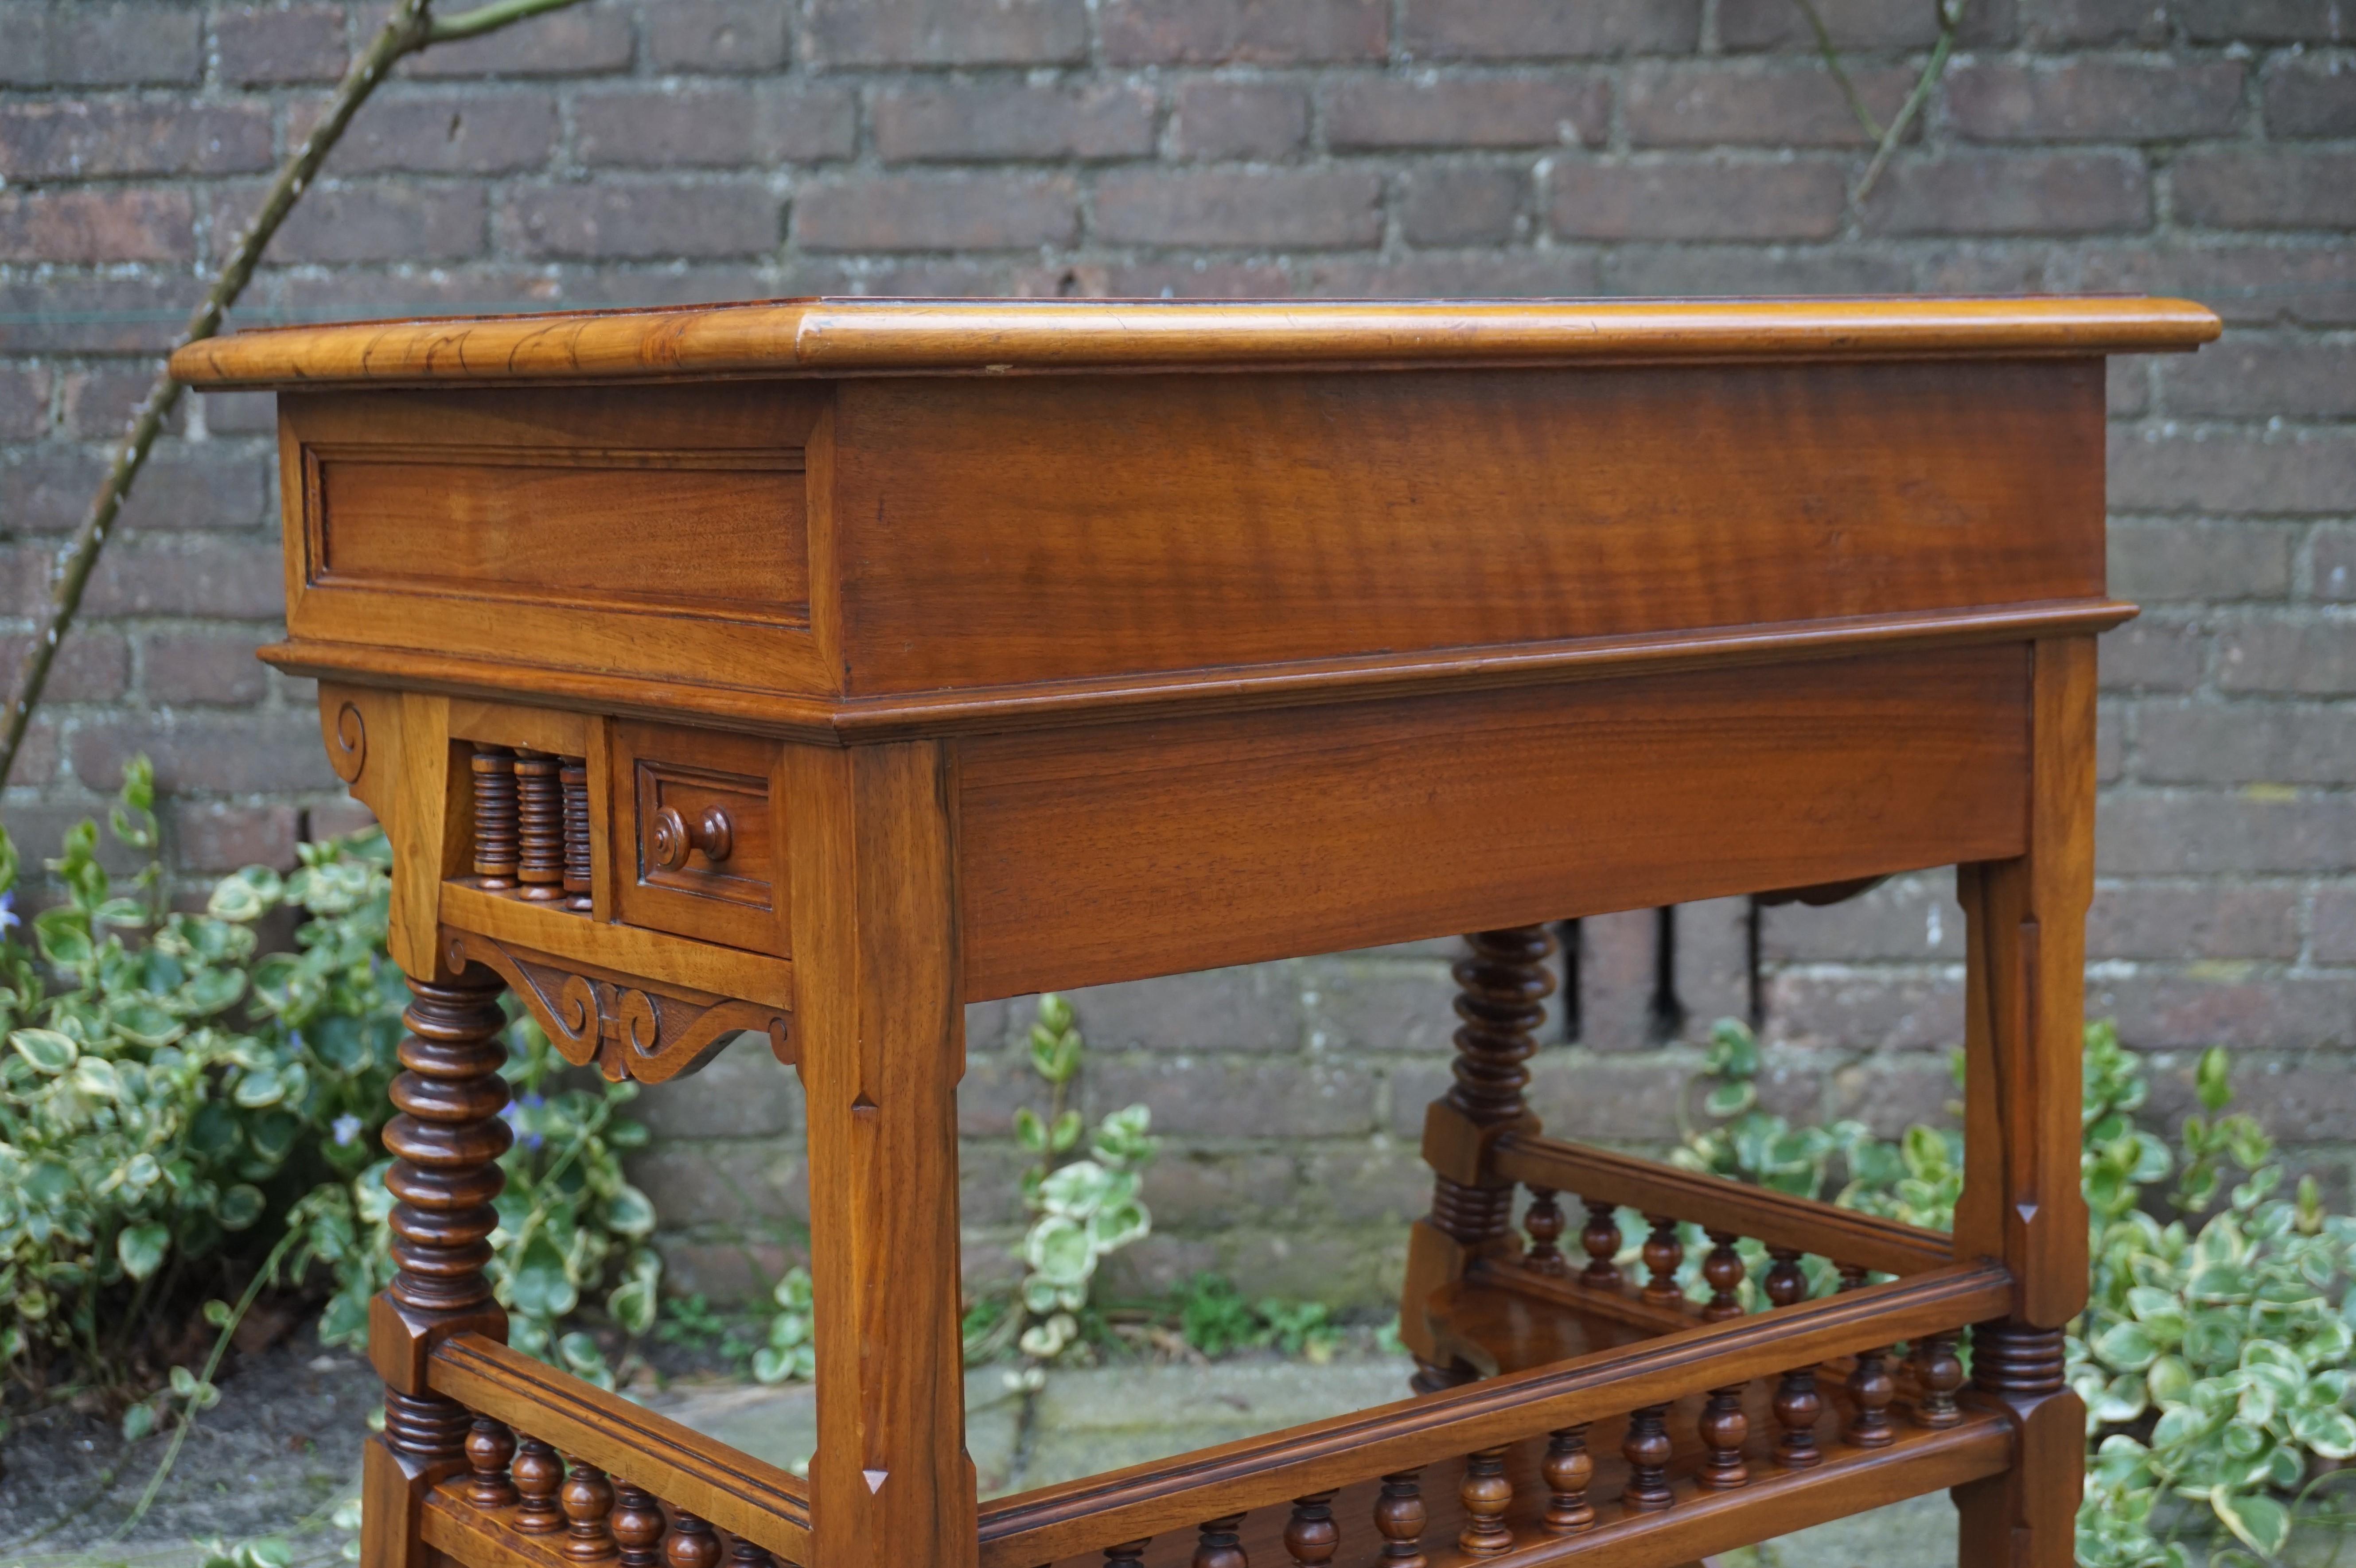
815,667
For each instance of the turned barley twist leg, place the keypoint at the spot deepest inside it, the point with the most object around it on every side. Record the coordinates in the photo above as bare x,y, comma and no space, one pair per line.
446,1141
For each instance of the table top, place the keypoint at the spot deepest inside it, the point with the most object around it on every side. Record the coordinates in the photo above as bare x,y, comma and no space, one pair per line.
848,336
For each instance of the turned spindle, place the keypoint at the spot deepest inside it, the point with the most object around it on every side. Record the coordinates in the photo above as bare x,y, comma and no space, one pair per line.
1725,1427
1938,1373
1599,1240
1870,1387
1501,985
1486,1493
1664,1255
1646,1448
489,1446
1567,1470
539,826
1797,1405
574,775
445,1142
1786,1284
1310,1536
538,1475
2016,1359
1399,1519
1217,1544
494,816
1722,1270
1543,1224
637,1525
691,1543
1870,1390
743,1553
588,1499
1127,1554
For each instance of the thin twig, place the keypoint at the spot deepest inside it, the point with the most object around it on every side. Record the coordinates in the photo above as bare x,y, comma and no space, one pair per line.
188,1406
489,18
410,27
1839,72
1949,15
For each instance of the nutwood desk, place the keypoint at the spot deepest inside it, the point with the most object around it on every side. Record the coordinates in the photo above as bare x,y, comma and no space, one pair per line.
814,668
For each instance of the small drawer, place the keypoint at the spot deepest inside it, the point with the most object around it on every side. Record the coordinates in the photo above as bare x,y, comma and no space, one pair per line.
699,838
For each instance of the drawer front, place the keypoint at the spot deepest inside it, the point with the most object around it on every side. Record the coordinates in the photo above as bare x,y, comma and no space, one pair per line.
699,837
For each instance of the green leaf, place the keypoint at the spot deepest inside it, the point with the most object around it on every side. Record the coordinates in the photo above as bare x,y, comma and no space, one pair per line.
62,938
95,1076
138,1421
1058,1249
632,1304
629,1212
1726,1100
1065,1133
2262,1523
47,1051
2213,1079
1029,1131
540,1284
2125,1347
120,912
1733,1050
1117,1225
2330,1433
270,1551
245,895
2168,1380
141,1249
258,1087
146,1024
240,1206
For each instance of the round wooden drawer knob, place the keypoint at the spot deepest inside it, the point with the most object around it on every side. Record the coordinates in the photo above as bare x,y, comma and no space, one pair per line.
671,837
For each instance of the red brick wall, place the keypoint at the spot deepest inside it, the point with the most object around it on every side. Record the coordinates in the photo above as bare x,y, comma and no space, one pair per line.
696,149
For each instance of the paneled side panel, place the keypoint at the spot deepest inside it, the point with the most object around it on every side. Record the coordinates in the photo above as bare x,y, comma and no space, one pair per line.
1150,848
1010,530
568,528
655,531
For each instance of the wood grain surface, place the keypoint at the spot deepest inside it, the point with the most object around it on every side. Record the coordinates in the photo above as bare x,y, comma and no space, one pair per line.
997,534
1153,848
840,337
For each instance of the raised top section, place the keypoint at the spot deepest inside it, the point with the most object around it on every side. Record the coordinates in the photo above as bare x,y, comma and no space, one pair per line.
874,337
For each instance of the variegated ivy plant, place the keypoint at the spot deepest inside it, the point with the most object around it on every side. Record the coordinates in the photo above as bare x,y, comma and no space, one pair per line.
2214,1354
165,1095
179,1110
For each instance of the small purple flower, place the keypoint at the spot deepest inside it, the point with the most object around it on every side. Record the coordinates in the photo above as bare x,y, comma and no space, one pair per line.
346,1129
9,918
513,1115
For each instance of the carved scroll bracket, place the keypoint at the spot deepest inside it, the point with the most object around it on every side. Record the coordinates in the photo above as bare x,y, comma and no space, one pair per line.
628,1027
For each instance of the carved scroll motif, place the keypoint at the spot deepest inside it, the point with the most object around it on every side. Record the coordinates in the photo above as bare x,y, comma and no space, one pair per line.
628,1027
346,739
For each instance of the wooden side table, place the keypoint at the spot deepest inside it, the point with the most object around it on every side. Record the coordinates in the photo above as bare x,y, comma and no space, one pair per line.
816,667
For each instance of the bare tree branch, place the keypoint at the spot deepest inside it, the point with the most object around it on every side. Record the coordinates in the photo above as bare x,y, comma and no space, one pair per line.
1951,17
410,26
